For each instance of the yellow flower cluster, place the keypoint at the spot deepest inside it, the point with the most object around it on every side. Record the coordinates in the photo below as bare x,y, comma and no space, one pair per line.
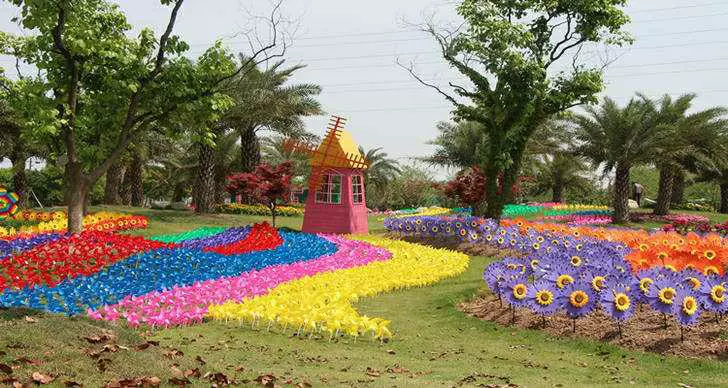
577,207
57,221
428,211
323,303
259,210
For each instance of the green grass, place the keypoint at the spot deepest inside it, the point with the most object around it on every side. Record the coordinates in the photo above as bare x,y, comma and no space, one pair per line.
434,342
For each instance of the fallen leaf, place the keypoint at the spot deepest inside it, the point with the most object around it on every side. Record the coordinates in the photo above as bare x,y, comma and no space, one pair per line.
172,353
145,345
219,378
397,369
176,372
179,381
193,373
6,369
390,351
304,384
200,360
41,378
266,380
372,372
71,384
30,319
103,363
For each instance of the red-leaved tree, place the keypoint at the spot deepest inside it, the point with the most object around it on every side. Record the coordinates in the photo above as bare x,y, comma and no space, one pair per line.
267,185
468,187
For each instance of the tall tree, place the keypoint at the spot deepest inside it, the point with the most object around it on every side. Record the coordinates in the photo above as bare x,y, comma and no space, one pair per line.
693,141
618,139
557,172
264,101
108,87
508,51
382,169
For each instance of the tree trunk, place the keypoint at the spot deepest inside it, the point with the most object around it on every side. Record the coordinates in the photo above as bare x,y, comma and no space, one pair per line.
125,190
76,193
135,179
20,179
204,193
724,198
114,176
664,191
249,149
557,192
678,188
621,194
220,184
178,193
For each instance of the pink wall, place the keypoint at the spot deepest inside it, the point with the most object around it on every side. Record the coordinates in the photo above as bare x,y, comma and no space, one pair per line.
345,217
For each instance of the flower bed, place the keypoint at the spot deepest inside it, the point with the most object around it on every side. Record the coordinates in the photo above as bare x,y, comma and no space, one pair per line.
259,210
189,304
322,304
672,218
577,270
57,222
164,268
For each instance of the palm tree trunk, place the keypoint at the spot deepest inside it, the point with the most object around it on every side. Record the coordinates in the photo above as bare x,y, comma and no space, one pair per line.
249,149
20,179
137,184
724,198
557,192
678,188
664,191
204,191
125,189
621,193
113,180
220,184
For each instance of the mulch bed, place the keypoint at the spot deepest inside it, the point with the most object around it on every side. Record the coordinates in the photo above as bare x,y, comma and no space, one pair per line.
645,331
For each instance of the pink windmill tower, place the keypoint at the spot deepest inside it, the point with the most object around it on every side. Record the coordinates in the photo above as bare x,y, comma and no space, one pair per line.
336,201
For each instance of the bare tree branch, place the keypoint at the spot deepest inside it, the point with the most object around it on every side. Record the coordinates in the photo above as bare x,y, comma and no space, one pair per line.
410,69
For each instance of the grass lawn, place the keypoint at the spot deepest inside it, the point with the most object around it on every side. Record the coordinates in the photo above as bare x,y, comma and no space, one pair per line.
434,344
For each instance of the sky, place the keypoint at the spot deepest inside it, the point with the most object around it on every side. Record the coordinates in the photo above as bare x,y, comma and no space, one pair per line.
351,49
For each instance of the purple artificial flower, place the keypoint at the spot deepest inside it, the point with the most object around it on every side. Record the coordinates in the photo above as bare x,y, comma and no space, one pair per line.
714,294
596,278
515,291
494,275
619,300
663,292
578,299
686,306
692,278
562,275
544,298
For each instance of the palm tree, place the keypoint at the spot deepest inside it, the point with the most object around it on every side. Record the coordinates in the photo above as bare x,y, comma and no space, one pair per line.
263,101
693,141
274,152
618,139
558,171
382,169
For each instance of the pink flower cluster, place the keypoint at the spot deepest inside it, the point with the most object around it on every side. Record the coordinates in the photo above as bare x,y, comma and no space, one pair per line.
189,304
572,219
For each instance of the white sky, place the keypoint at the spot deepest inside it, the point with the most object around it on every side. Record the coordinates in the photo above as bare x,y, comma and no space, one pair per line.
351,48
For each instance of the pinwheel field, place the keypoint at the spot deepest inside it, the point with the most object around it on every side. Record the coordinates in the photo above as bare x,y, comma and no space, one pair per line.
410,336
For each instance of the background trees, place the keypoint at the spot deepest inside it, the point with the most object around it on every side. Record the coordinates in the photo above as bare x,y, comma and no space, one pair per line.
506,50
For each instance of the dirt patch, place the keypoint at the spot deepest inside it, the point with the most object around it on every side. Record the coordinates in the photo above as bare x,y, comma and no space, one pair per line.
645,331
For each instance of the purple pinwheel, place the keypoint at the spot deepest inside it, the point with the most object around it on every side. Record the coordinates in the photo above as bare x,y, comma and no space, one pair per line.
619,300
692,278
562,275
494,275
686,306
578,299
714,294
515,291
544,298
661,295
597,278
646,282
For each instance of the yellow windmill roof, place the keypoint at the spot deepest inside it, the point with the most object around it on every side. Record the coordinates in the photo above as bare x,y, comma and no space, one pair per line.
338,149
